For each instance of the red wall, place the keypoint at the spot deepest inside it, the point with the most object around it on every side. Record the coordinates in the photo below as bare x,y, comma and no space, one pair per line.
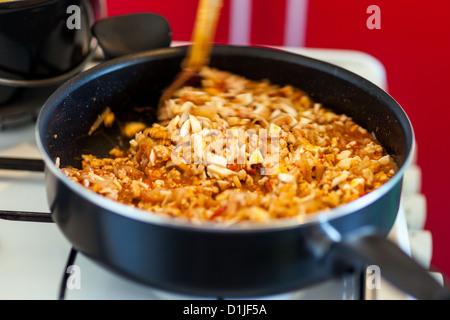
413,44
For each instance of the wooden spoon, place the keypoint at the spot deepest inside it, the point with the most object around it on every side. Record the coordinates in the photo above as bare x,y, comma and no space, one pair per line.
199,52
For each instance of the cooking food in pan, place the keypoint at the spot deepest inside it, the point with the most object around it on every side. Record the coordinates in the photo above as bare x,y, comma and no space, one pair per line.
230,149
210,260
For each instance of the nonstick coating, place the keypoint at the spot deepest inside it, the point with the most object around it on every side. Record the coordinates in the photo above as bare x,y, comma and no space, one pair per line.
209,261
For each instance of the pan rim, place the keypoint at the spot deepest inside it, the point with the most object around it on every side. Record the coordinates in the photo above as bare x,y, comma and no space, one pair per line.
206,226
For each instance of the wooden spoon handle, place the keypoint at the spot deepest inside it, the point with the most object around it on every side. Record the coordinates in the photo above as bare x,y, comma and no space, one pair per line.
199,52
203,35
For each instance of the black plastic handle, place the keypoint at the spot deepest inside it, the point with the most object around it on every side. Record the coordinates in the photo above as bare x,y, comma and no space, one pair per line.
132,33
394,264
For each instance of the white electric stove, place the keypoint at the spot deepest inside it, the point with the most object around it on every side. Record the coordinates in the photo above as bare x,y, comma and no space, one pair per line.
34,255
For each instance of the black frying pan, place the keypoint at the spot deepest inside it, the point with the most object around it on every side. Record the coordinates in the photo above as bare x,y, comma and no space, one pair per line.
213,260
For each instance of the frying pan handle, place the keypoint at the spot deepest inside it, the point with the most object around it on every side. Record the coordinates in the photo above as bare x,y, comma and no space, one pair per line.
394,264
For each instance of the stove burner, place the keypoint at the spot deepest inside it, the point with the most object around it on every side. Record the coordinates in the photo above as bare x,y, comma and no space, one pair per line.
36,165
22,164
26,216
25,108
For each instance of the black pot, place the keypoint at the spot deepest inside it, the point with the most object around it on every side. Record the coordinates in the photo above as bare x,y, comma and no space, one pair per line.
39,44
212,260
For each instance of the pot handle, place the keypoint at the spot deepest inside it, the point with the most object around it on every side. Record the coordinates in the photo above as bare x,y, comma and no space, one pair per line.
132,33
395,265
